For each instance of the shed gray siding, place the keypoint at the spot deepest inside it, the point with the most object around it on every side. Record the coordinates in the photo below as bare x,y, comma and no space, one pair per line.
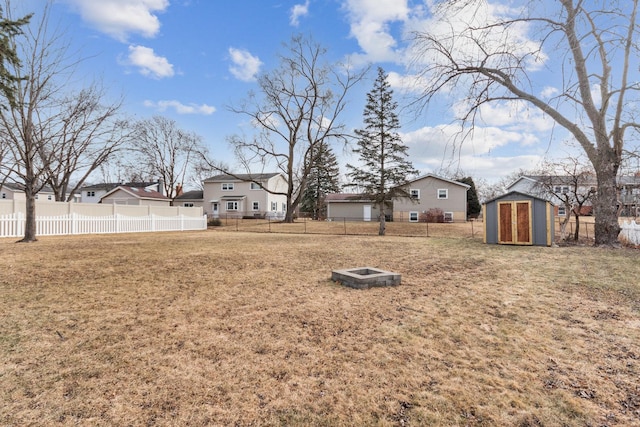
542,213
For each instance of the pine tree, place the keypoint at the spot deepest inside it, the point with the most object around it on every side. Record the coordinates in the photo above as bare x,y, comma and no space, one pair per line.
473,204
384,166
8,56
323,179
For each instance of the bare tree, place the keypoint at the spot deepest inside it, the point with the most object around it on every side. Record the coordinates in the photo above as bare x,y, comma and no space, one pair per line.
165,151
596,42
27,126
296,111
569,182
87,133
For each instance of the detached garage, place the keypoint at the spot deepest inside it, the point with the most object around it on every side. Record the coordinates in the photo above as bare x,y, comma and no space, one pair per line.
518,219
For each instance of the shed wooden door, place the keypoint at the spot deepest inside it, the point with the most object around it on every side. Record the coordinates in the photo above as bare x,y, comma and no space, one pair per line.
515,223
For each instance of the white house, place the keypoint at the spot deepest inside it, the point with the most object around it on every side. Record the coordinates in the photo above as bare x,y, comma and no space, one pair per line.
245,195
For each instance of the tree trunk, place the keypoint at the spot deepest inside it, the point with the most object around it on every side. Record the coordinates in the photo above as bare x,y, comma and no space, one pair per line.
605,206
383,224
576,234
30,223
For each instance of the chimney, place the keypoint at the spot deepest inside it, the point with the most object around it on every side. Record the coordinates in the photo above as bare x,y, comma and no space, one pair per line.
178,190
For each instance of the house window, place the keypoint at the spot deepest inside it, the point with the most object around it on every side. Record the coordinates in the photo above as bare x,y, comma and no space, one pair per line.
4,195
227,186
448,217
558,189
49,197
36,197
274,206
413,216
284,207
187,204
443,193
414,193
255,186
256,206
232,206
562,211
91,194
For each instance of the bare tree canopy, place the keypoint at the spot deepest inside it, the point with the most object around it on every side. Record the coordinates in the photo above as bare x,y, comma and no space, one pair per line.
296,110
52,134
162,150
502,54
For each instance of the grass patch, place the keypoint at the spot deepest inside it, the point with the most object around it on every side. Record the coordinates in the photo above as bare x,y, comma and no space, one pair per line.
247,328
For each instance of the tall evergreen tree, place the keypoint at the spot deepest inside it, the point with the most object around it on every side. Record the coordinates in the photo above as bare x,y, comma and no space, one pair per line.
8,56
323,179
473,203
383,156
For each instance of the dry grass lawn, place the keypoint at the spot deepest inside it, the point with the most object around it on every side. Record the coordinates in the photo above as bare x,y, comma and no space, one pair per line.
232,328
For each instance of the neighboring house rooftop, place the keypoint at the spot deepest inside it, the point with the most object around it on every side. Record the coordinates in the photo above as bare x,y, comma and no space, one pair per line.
430,175
191,195
111,185
347,197
20,187
138,193
242,177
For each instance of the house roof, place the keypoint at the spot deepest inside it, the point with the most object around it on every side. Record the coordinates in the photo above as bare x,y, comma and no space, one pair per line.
347,198
242,177
138,193
111,185
430,175
20,187
191,195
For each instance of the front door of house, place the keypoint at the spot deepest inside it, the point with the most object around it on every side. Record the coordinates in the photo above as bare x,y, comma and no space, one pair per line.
366,212
215,209
515,223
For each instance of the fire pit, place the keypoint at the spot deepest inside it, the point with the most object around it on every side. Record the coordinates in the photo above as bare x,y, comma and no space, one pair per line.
365,277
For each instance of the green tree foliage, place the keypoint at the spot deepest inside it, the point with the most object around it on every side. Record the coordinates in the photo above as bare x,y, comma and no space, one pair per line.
384,164
323,179
8,30
473,204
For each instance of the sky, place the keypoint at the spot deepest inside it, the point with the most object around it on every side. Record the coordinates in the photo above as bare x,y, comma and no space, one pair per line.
190,60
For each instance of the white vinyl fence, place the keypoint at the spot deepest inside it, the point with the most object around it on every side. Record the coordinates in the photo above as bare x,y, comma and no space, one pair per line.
630,232
12,225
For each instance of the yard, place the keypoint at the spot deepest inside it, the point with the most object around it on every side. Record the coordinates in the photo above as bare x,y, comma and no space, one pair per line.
233,328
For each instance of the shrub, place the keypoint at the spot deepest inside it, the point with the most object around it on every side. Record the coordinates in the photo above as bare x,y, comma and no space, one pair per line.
214,222
432,215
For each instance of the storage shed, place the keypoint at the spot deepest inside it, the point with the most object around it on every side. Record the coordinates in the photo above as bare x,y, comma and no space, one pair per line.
518,219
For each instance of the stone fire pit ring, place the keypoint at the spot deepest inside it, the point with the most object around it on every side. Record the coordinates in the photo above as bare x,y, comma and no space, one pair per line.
365,277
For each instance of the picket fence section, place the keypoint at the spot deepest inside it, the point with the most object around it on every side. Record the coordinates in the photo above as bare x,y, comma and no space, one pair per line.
630,231
12,225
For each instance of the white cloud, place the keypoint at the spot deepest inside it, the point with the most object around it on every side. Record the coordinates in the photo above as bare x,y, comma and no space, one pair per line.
549,92
181,108
119,18
148,63
245,66
298,11
483,153
370,21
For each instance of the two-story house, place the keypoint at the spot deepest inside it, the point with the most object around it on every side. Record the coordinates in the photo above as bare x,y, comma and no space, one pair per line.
554,187
425,193
245,195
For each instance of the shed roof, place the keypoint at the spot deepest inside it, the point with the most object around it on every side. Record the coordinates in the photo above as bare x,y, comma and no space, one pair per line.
510,193
347,198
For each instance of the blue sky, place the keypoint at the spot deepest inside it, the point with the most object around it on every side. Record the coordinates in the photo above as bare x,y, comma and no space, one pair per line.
190,59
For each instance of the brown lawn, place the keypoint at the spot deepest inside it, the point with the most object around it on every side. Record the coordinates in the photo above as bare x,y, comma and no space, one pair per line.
232,328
